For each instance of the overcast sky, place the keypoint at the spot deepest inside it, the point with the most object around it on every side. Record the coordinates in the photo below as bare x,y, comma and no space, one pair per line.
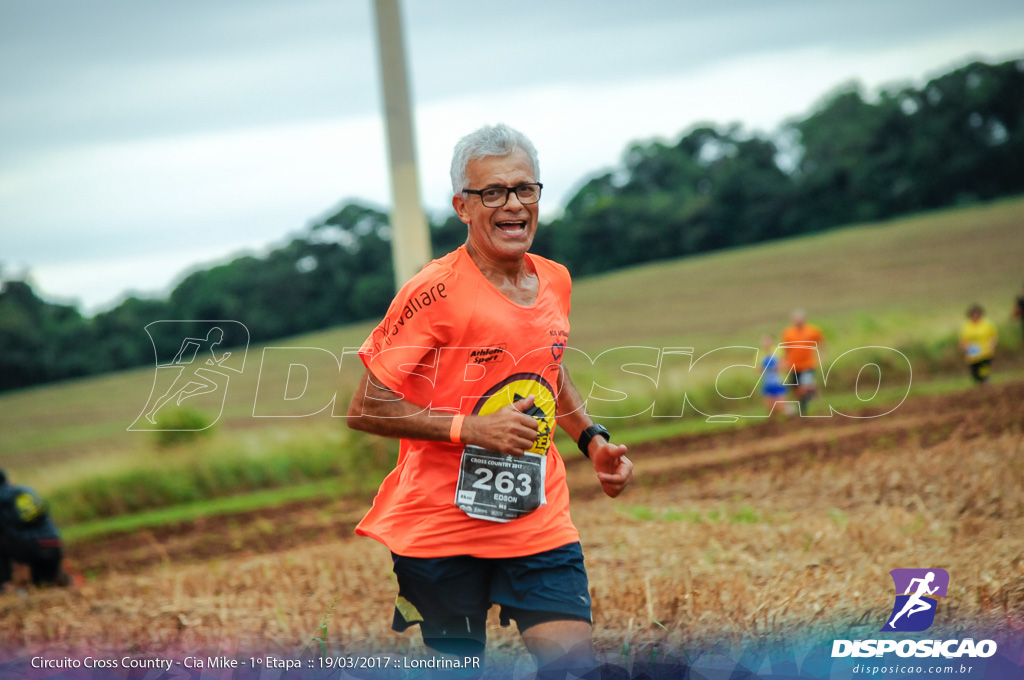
141,138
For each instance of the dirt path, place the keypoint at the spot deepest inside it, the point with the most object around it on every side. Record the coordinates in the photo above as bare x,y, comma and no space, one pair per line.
919,422
777,530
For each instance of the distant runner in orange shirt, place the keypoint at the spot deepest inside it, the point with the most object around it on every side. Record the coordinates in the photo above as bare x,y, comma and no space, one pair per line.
466,369
803,343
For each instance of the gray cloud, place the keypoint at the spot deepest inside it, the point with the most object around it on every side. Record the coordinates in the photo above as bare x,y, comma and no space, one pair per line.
74,72
109,74
583,41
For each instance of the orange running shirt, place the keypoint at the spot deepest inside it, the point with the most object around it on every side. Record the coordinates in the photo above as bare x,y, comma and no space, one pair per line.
451,340
801,345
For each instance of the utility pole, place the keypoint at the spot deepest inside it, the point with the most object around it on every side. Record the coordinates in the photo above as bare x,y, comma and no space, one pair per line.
410,237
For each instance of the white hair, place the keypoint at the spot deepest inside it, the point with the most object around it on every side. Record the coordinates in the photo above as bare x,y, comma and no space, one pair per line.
490,140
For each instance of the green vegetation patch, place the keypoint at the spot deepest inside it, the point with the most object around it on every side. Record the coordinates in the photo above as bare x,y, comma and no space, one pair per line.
229,505
269,459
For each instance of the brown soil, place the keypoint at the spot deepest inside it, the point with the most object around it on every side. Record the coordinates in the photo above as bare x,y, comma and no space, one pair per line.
771,530
922,422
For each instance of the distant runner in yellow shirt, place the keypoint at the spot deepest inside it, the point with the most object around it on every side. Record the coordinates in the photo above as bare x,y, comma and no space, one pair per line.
978,339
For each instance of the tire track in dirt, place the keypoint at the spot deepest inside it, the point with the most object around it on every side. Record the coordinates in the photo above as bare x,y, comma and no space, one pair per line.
923,421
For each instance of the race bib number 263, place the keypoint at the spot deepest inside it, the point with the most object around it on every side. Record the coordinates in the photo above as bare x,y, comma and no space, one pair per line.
499,487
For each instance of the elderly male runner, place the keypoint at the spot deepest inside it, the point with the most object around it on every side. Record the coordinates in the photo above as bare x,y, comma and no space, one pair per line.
466,370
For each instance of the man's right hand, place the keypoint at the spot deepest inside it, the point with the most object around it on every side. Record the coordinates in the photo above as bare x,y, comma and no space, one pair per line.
508,430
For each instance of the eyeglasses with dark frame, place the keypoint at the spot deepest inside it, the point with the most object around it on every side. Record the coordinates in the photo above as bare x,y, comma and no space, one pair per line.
497,197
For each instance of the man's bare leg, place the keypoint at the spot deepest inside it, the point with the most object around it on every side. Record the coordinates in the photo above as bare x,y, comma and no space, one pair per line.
559,647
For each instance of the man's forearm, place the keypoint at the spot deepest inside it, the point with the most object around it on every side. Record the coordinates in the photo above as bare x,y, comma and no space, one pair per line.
572,412
377,410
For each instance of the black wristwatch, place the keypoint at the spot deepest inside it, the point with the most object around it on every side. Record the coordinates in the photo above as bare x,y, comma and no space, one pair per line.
589,434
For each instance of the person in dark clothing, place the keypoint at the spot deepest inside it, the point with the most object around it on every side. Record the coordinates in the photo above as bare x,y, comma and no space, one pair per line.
28,536
1018,309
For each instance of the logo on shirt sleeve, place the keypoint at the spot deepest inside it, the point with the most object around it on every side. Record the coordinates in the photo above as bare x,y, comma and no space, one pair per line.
388,328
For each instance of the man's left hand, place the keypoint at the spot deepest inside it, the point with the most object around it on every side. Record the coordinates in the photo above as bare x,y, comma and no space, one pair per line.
614,470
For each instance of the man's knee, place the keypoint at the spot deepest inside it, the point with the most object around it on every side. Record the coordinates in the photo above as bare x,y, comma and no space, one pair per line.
561,648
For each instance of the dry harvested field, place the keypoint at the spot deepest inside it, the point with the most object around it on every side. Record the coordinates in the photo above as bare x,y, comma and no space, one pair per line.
765,531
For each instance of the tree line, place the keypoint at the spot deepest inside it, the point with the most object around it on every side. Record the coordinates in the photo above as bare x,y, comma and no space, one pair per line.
853,158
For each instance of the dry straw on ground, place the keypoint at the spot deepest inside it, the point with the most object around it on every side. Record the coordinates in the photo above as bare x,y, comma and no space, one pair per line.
780,548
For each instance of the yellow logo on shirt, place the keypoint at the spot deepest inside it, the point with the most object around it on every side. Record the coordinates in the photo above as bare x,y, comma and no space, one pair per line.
520,386
28,508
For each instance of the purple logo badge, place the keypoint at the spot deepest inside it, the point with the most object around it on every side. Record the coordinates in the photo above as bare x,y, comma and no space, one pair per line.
917,593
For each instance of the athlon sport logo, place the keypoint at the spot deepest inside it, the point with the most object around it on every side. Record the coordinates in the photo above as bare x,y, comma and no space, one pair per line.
916,601
917,593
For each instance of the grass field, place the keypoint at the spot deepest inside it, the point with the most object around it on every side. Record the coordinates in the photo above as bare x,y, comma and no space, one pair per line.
777,530
901,284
